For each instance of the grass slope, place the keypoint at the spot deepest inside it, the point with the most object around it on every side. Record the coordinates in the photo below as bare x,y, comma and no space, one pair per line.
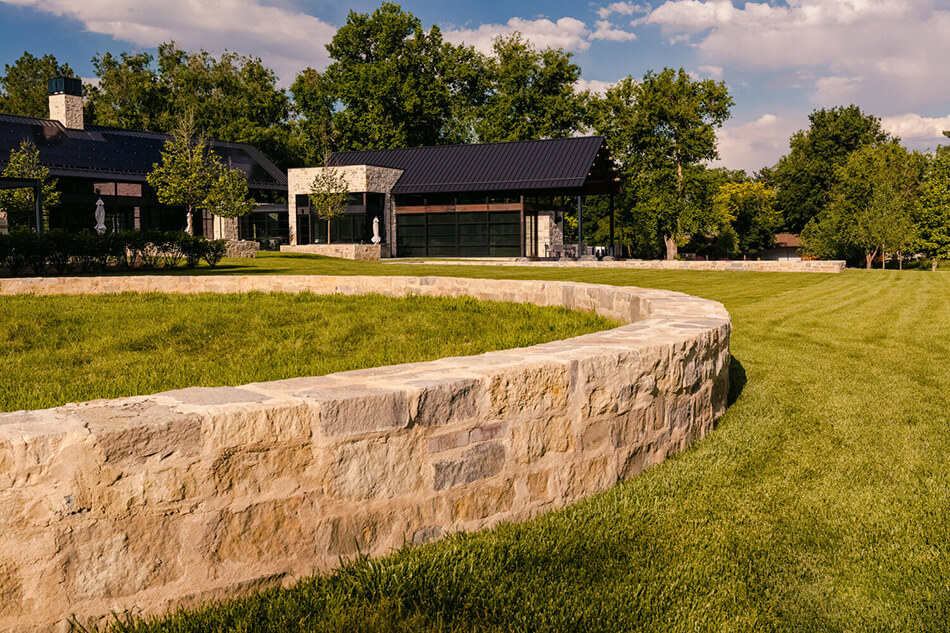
820,503
62,349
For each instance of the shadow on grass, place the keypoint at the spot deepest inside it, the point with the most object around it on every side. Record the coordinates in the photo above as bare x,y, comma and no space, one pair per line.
737,380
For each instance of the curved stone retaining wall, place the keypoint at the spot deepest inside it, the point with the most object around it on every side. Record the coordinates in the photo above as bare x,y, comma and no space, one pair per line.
147,502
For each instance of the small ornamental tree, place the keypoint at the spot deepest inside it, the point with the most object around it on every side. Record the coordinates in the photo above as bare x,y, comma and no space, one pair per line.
24,163
228,196
328,195
187,172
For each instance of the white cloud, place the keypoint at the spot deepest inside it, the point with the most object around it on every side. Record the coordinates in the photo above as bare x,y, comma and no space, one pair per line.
568,33
606,31
594,85
885,54
758,143
916,129
287,40
713,72
622,8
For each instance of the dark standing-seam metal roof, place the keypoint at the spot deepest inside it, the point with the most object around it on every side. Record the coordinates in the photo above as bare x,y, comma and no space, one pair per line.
553,164
117,154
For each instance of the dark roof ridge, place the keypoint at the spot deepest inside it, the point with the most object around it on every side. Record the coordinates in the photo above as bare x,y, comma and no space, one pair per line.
524,140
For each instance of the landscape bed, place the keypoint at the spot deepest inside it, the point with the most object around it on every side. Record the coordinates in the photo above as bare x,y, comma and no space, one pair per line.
60,349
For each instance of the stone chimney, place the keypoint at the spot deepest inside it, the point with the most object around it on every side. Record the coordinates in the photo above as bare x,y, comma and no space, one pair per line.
65,101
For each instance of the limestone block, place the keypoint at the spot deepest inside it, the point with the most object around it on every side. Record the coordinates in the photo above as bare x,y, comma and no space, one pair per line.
357,409
478,462
376,468
483,502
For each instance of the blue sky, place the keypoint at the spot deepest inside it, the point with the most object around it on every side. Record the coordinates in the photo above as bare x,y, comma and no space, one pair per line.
781,59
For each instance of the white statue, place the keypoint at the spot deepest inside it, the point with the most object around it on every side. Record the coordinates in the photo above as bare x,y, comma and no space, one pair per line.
100,217
376,237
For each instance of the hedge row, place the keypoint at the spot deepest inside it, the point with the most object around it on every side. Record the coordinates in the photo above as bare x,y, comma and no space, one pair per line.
62,251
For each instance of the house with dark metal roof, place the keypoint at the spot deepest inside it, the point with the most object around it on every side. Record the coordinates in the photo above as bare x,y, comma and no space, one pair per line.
485,200
92,161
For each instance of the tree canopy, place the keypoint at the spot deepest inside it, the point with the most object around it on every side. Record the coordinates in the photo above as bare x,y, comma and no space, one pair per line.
530,94
387,80
873,205
20,204
804,178
23,87
661,129
232,97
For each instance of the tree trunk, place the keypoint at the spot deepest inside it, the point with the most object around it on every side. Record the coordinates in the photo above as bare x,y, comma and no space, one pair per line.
328,232
671,248
869,258
883,257
900,260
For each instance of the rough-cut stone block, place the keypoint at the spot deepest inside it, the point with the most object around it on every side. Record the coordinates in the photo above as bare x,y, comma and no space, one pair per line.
376,468
357,409
479,462
483,502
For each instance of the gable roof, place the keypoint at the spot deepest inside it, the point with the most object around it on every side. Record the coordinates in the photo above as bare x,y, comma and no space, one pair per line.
578,164
117,154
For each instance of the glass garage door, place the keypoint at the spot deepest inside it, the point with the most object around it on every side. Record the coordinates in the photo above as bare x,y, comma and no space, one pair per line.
476,234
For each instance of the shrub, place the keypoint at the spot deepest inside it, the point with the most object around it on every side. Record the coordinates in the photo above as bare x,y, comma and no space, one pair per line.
151,249
215,251
61,250
172,248
91,251
194,249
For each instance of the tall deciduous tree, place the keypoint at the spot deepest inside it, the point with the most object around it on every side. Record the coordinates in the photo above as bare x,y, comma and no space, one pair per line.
662,128
20,204
23,87
530,93
933,218
873,204
387,81
803,178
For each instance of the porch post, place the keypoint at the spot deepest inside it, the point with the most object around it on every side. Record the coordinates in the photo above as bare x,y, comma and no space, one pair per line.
38,205
580,226
611,250
522,228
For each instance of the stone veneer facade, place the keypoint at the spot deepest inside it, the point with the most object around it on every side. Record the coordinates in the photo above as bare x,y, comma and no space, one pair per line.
154,501
359,179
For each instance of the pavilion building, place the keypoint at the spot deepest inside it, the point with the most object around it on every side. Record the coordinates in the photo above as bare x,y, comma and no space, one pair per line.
485,200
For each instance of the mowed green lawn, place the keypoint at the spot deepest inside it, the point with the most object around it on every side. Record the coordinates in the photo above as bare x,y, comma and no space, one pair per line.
61,349
820,503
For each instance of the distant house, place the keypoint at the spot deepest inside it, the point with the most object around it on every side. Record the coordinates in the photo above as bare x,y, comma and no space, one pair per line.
90,161
785,248
494,199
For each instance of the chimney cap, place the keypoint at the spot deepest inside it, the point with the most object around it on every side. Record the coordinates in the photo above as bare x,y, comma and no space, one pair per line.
65,85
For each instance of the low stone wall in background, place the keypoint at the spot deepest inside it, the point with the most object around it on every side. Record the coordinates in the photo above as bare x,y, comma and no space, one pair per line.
817,266
150,502
242,248
362,252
